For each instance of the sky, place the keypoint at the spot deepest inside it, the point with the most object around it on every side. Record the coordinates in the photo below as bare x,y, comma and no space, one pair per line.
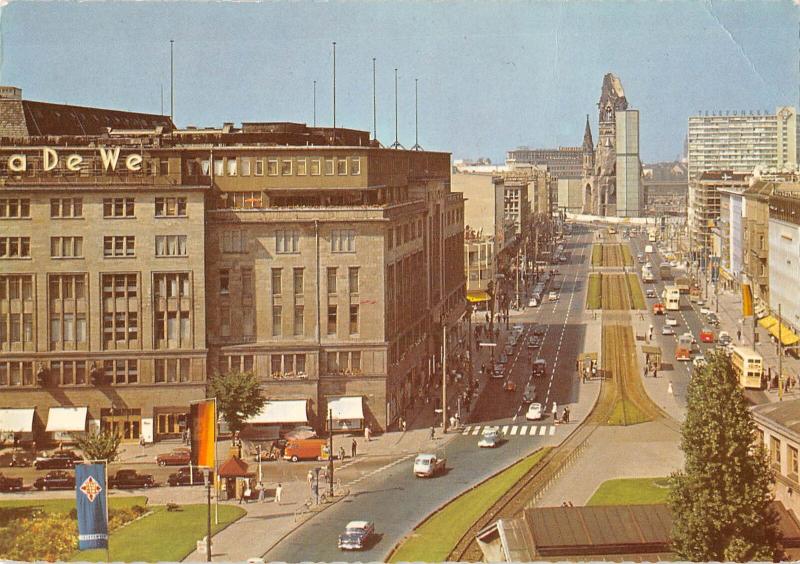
492,75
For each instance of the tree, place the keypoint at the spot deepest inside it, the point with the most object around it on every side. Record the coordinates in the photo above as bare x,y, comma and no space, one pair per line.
100,445
238,397
721,501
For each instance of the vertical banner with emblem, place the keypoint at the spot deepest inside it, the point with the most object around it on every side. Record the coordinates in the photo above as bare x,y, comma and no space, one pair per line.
92,505
203,426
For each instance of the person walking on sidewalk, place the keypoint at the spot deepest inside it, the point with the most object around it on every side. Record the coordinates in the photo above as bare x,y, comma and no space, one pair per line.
433,432
739,335
669,388
353,448
367,433
341,453
278,492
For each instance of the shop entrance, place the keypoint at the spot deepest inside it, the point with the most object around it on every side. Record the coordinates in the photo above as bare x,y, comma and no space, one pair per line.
125,422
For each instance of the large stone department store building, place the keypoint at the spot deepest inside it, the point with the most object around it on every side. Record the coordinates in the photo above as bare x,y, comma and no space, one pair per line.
137,259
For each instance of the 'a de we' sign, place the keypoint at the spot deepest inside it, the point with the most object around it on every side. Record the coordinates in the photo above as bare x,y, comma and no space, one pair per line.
74,162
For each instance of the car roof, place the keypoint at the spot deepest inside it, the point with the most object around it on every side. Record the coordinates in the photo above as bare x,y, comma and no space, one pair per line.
424,455
357,525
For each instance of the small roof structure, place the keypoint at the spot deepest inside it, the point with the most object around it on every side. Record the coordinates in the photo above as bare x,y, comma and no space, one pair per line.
234,468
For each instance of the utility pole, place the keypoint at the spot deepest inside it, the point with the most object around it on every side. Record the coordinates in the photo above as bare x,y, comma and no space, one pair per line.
334,88
444,377
171,82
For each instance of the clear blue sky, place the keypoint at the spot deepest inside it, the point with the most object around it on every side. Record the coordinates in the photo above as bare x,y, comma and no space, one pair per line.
492,75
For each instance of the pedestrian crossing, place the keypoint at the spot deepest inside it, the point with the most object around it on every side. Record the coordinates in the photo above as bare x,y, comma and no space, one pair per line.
513,430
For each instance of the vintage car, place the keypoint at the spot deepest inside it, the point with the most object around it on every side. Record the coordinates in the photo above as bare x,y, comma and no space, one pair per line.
178,457
130,479
58,480
356,535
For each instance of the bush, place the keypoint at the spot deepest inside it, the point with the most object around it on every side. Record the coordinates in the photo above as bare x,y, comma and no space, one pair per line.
48,537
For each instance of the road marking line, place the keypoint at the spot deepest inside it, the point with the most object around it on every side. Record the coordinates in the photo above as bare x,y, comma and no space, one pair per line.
552,430
476,430
514,430
542,430
466,430
505,429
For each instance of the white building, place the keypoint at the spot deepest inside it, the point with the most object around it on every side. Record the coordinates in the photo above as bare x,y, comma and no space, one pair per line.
740,142
784,256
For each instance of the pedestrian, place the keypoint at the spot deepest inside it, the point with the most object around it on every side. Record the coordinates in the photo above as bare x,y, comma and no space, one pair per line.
366,433
739,335
353,448
341,453
433,432
262,495
278,492
555,410
645,371
669,388
404,425
141,441
310,478
655,372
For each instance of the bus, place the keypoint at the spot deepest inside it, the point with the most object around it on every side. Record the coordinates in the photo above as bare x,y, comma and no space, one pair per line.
647,275
665,271
749,367
672,298
683,351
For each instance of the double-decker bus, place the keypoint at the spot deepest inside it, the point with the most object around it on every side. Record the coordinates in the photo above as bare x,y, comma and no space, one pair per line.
672,298
683,351
749,367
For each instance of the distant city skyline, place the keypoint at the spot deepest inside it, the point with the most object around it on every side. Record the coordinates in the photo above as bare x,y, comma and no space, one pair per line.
492,77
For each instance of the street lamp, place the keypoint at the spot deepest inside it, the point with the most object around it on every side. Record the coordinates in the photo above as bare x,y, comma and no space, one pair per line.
208,479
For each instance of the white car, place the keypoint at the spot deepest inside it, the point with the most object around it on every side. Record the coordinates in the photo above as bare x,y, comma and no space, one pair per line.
533,303
667,330
491,438
534,412
699,361
671,321
552,296
704,310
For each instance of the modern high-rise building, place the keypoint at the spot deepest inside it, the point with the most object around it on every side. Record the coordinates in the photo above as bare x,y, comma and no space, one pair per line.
704,207
630,199
739,141
564,162
138,259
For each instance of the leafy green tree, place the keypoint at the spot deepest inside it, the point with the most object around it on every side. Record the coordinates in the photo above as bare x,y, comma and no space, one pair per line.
721,501
238,397
100,445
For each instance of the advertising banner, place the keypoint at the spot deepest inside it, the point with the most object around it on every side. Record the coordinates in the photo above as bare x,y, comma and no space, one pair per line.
203,426
92,505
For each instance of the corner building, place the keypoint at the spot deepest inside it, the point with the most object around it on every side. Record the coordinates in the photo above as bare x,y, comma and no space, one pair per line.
137,259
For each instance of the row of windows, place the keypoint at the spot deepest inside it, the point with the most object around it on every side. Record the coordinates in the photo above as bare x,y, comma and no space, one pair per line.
404,233
113,246
246,166
79,372
65,208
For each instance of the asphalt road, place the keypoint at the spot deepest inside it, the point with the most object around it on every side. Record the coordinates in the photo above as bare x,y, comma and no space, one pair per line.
397,501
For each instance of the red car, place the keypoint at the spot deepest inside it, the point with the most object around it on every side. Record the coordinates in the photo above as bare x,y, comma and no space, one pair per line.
178,457
707,336
659,309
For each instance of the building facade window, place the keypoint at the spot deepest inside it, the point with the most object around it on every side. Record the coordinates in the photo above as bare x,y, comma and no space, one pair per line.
119,246
245,166
299,320
121,371
225,321
236,363
277,275
287,365
352,273
287,241
119,207
248,326
172,370
331,279
120,306
259,167
68,372
332,319
239,200
232,166
172,308
792,462
272,167
16,312
343,241
248,286
316,167
329,170
297,280
355,166
343,362
68,311
232,241
775,453
277,320
286,167
15,247
16,373
62,208
301,167
224,281
341,167
15,208
171,246
170,207
66,247
353,319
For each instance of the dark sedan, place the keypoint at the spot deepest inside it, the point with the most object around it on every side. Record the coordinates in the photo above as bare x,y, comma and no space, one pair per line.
130,479
61,459
184,478
8,484
55,481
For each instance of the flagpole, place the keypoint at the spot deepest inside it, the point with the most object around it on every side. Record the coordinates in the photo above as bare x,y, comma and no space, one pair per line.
108,540
216,466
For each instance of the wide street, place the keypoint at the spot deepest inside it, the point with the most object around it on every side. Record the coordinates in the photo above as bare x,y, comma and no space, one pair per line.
397,501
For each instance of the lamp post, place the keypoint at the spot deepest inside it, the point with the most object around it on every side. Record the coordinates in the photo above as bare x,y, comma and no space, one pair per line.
208,480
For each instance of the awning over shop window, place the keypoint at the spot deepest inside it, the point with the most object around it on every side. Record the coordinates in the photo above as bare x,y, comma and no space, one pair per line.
347,407
478,296
66,419
282,411
787,336
767,322
16,420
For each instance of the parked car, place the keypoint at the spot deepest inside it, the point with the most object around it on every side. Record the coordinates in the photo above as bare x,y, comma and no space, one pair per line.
429,465
59,459
17,459
178,457
491,437
667,330
304,449
356,535
183,477
8,484
130,479
534,412
706,335
671,321
58,480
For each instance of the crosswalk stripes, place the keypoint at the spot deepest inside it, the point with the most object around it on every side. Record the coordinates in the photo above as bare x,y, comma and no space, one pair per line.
513,430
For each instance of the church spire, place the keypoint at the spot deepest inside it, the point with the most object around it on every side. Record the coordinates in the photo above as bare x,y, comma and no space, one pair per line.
588,145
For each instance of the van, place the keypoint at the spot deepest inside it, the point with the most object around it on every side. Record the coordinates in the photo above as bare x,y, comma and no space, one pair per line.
304,449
